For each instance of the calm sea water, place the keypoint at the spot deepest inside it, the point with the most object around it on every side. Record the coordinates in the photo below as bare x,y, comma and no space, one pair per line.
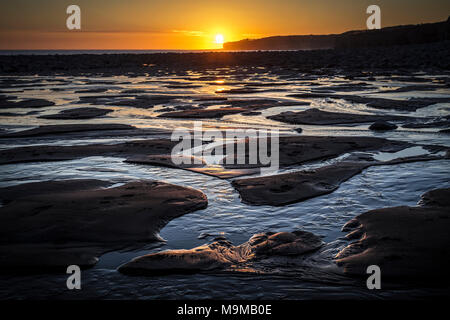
69,52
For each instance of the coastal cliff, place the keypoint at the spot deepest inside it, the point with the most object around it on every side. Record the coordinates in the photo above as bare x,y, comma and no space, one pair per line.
398,35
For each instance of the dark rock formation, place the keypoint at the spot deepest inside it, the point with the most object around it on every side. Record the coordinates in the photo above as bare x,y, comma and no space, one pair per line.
411,104
221,255
26,103
78,113
318,117
283,189
66,128
293,187
382,126
202,113
57,216
405,242
434,123
60,153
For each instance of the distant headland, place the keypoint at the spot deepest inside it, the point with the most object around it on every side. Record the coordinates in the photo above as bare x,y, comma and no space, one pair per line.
398,35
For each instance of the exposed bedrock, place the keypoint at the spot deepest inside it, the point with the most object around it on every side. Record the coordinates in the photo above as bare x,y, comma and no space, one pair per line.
442,122
259,254
61,153
83,131
6,103
436,198
287,188
411,104
168,161
295,150
382,125
409,88
78,113
202,113
128,100
315,116
229,107
66,128
62,217
405,242
283,189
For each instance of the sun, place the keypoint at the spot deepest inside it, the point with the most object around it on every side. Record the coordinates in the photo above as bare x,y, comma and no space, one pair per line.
219,38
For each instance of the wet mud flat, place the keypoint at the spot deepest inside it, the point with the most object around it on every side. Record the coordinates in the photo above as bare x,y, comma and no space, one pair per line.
87,172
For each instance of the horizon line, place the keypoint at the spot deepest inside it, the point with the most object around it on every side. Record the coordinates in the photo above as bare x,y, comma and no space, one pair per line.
243,39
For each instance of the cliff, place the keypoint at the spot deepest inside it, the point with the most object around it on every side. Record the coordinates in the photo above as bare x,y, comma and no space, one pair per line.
398,35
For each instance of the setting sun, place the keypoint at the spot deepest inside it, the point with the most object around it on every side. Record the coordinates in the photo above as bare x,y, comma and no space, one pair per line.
219,39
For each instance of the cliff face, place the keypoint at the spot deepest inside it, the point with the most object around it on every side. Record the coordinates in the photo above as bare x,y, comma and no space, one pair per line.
284,43
399,35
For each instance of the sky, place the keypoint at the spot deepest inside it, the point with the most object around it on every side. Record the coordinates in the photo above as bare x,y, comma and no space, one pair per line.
192,24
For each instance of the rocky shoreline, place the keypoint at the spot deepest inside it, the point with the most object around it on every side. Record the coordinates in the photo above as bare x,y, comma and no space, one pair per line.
341,113
355,62
222,256
405,242
74,221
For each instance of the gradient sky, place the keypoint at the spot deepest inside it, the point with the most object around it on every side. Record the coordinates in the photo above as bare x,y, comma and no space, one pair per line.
193,24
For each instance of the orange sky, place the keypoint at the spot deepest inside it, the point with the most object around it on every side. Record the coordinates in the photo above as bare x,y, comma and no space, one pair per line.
192,24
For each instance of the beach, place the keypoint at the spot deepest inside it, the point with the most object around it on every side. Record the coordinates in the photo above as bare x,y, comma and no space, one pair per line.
87,176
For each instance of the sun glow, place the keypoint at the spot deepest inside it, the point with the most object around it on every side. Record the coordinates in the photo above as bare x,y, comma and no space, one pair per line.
219,39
